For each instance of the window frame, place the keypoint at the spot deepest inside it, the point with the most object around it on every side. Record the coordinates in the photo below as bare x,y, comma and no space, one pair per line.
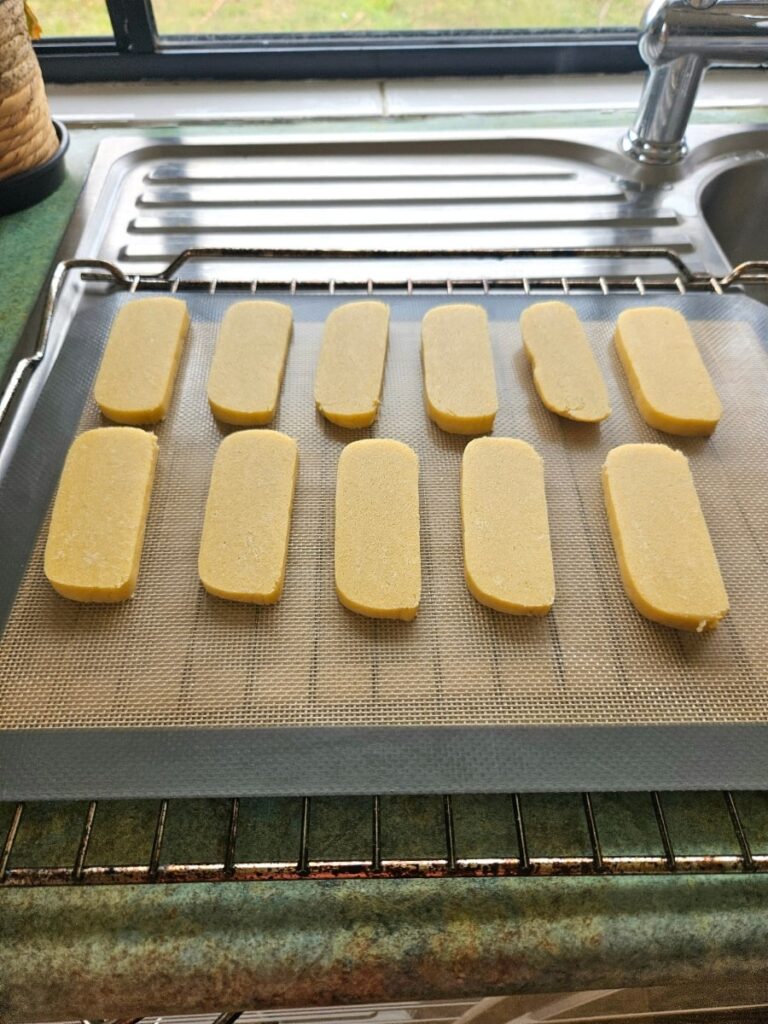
138,51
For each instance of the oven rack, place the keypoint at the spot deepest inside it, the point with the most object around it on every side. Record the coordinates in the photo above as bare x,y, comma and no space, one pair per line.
406,837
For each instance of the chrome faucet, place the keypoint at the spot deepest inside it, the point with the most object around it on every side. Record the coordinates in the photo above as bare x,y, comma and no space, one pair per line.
679,40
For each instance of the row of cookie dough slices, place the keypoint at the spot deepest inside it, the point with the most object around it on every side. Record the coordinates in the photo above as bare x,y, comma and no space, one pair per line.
666,558
665,371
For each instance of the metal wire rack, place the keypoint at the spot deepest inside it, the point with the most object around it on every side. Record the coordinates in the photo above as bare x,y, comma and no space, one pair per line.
451,861
735,853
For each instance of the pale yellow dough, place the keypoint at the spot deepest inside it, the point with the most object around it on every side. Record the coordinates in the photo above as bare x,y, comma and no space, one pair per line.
565,373
350,369
99,515
667,562
507,553
249,362
138,369
666,374
244,544
459,379
378,557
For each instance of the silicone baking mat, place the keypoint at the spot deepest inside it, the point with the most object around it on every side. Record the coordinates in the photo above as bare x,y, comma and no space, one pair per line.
175,659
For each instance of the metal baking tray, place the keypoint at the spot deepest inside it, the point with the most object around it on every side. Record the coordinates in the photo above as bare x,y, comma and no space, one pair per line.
177,693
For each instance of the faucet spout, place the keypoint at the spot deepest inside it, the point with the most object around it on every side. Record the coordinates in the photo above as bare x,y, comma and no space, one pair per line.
679,40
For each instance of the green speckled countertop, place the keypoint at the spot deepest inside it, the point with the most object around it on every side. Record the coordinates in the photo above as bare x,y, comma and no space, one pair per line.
110,953
123,951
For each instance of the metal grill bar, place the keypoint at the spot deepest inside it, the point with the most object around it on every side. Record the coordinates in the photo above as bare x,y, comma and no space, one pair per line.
666,840
376,834
302,866
452,863
229,860
10,840
522,843
594,836
633,252
450,834
227,1018
82,849
565,285
741,835
157,842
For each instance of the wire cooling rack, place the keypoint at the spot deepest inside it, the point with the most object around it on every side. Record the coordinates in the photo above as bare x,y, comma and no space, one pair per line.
516,834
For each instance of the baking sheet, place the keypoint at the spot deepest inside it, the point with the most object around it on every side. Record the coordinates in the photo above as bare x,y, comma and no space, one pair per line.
464,697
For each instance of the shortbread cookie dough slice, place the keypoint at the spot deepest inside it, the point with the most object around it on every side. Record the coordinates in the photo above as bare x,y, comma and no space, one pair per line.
666,374
459,379
249,362
99,515
667,562
138,369
507,553
378,558
350,370
244,544
565,373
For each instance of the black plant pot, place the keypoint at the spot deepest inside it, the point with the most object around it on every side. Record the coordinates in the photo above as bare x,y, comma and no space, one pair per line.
29,187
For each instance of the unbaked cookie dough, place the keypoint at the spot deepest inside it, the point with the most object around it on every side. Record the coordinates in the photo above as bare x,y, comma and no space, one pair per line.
249,362
507,553
100,513
565,373
138,369
350,370
244,544
666,374
378,556
667,562
459,379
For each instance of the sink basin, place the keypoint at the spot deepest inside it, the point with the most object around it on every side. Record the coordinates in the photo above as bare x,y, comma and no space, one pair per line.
734,207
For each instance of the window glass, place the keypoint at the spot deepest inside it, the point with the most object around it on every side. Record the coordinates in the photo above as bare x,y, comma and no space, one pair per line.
246,16
65,18
243,17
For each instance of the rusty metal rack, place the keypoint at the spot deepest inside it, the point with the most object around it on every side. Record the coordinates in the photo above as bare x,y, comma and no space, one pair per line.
578,841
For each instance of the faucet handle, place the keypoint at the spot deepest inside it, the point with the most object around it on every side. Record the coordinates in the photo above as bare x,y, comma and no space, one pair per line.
679,40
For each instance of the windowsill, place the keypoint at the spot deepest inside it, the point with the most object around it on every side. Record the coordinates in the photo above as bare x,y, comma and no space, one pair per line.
208,102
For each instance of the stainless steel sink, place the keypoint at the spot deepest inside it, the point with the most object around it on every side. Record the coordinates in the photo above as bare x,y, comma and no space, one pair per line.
423,190
735,207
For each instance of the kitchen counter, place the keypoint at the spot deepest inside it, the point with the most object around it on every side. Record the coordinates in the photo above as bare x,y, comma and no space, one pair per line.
126,952
123,951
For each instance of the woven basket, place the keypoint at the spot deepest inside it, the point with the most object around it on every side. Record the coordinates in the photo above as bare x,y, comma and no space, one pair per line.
27,135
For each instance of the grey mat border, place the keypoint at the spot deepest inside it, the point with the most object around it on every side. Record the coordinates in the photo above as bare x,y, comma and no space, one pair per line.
69,764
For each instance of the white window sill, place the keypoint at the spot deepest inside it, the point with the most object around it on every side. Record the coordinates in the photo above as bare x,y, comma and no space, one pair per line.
201,102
